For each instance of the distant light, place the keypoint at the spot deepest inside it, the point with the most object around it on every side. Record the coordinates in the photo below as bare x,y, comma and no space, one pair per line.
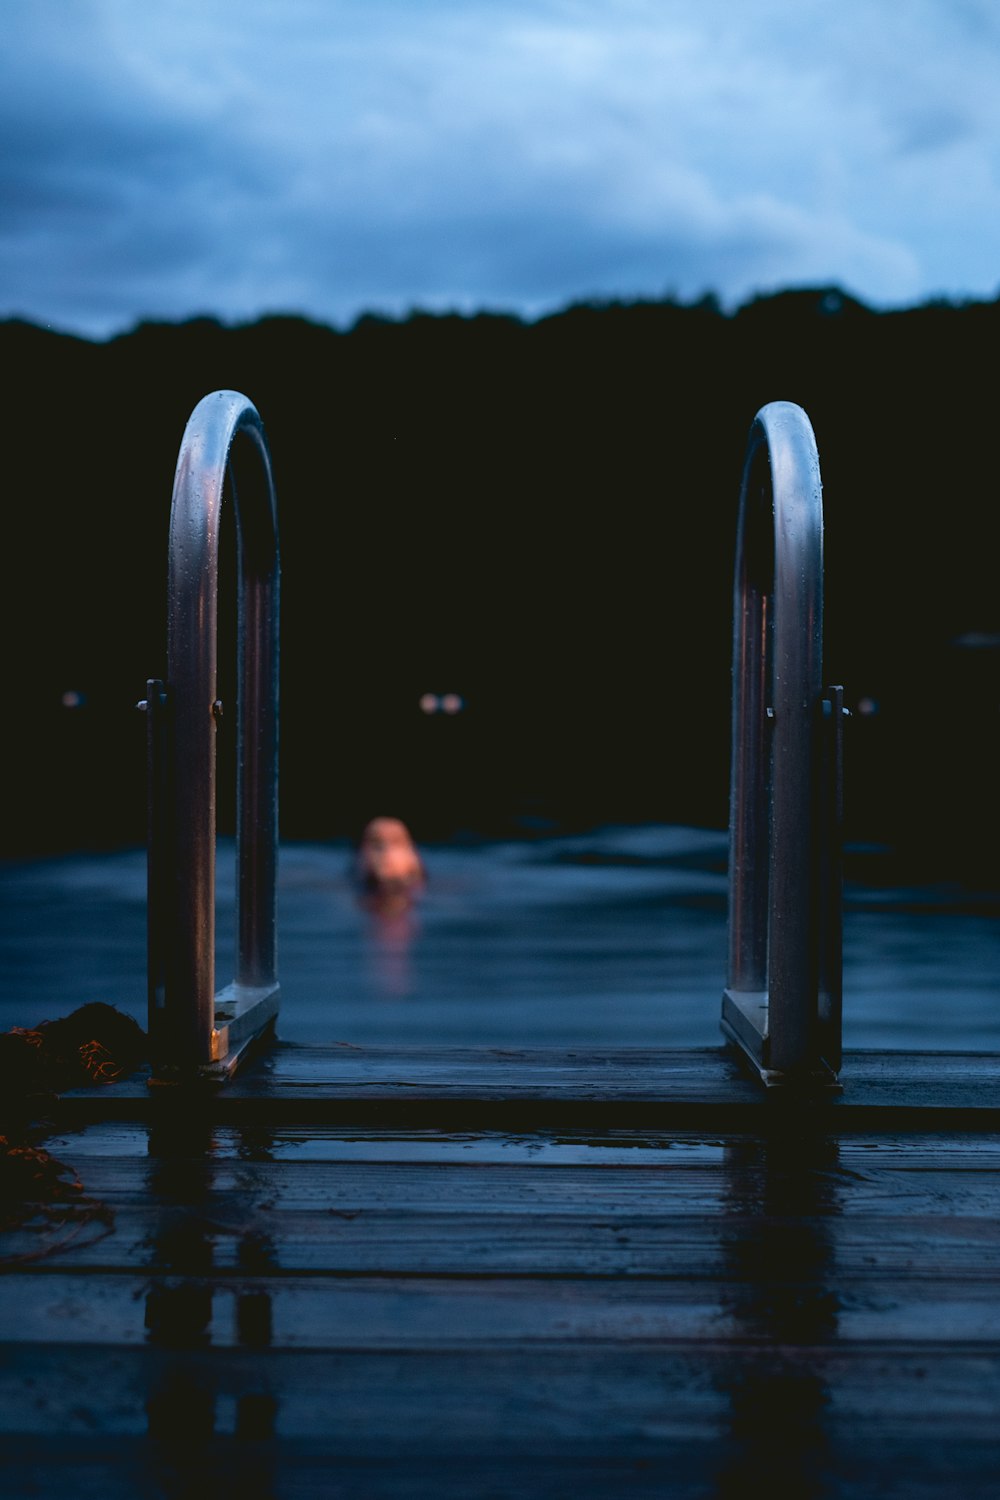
441,703
867,707
72,699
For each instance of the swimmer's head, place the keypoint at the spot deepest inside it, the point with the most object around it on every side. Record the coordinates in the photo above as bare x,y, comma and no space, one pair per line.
387,858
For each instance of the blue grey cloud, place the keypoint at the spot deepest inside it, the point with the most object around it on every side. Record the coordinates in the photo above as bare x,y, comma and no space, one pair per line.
328,156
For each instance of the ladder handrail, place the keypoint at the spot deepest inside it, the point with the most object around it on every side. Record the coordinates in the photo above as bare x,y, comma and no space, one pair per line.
783,947
224,438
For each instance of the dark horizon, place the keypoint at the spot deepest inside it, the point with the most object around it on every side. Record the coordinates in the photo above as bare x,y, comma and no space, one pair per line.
840,300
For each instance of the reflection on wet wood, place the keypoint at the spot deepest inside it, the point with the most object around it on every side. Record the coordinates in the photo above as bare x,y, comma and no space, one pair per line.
634,1421
296,1306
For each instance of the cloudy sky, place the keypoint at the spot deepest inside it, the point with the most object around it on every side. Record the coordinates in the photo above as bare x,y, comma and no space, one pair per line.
163,158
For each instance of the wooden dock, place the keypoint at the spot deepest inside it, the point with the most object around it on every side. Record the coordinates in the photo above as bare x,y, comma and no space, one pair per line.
357,1273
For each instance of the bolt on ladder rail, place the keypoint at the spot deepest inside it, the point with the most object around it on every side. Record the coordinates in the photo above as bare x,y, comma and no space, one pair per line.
782,1002
195,1031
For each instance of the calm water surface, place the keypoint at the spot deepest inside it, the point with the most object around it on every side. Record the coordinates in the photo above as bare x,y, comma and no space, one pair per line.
610,937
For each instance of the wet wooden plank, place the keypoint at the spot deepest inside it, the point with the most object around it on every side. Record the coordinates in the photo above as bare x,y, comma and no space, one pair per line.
918,1467
350,1313
314,1200
689,1420
473,1400
703,1073
684,1470
296,1142
499,1088
744,1177
381,1242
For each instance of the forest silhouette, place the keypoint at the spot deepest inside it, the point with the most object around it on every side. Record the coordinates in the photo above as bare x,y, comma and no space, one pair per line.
538,517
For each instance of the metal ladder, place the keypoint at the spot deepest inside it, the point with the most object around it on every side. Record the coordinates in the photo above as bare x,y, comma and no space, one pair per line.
782,1002
194,1031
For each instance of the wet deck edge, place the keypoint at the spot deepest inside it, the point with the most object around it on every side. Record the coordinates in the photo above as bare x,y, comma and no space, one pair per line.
598,1088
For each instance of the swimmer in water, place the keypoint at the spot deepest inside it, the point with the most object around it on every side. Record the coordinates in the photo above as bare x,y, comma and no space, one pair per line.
390,875
388,868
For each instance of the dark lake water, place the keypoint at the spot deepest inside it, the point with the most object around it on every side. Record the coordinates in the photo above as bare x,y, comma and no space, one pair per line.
611,937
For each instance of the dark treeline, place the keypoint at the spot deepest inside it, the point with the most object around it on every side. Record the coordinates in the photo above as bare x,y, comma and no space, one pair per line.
539,517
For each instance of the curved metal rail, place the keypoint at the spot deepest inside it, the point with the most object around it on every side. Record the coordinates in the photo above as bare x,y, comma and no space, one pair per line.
782,1002
194,1030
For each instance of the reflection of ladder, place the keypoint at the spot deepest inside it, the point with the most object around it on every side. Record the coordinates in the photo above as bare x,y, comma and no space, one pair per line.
193,1029
782,1003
